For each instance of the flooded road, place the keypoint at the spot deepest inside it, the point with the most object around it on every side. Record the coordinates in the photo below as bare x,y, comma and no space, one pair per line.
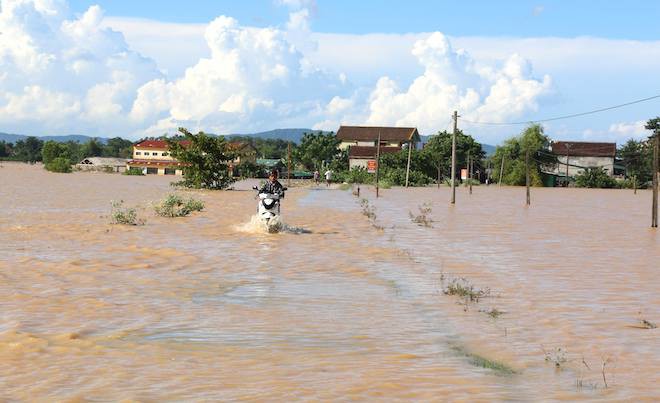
196,308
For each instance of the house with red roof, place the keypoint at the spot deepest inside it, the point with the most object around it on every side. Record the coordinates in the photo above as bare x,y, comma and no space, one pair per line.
362,142
575,156
153,157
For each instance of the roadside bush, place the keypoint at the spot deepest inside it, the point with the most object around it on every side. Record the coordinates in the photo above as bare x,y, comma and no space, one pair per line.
59,164
359,175
134,171
175,206
124,215
397,177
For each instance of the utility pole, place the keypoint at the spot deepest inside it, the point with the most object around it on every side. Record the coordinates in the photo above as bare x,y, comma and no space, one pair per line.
410,145
377,162
656,173
288,169
469,167
453,159
635,183
527,175
568,151
499,184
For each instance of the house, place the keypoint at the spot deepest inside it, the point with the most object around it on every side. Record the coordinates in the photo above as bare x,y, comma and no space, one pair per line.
578,155
244,152
153,158
102,164
361,142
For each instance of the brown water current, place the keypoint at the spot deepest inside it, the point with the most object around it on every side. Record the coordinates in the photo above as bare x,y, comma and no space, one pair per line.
205,308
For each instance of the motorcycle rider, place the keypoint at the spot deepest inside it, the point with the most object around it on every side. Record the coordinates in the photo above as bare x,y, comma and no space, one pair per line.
272,185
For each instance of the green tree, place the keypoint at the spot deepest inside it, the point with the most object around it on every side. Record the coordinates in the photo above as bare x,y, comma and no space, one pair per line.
28,150
59,164
339,162
6,149
438,151
594,178
514,150
118,147
315,148
206,160
51,150
93,148
637,156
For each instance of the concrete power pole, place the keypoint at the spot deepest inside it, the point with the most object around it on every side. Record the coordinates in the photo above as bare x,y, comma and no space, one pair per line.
453,159
469,167
377,163
410,146
568,152
499,184
288,169
656,173
527,176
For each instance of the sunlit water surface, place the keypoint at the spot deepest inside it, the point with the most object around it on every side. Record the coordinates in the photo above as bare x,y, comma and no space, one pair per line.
209,307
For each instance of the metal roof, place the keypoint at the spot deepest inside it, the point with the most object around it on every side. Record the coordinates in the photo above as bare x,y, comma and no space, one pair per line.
370,133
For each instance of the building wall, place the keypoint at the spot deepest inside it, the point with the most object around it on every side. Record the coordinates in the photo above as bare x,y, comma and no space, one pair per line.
148,153
357,162
160,170
607,163
345,144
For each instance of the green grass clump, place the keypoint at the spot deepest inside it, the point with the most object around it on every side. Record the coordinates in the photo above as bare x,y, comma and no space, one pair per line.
464,289
422,219
134,171
175,206
124,215
477,360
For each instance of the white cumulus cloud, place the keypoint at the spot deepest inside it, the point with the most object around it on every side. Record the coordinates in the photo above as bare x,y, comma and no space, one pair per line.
451,80
63,73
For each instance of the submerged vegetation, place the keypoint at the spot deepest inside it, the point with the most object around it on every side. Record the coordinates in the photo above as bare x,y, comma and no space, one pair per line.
462,288
422,219
125,215
477,360
369,211
175,206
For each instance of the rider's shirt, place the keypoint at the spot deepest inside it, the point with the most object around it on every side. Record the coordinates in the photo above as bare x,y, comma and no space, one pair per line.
272,188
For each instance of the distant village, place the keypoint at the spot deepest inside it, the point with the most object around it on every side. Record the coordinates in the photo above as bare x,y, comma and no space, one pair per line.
357,148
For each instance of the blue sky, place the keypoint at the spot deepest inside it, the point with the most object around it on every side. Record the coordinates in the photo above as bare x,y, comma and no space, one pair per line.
631,19
132,68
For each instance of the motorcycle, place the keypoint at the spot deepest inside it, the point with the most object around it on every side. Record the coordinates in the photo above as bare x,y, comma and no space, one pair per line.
268,209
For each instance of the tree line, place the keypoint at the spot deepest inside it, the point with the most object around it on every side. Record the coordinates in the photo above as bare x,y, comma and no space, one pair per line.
209,157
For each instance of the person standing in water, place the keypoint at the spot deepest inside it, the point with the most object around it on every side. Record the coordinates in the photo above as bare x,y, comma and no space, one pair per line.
316,177
328,177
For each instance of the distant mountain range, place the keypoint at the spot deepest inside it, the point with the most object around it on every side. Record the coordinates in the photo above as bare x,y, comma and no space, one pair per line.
285,134
294,135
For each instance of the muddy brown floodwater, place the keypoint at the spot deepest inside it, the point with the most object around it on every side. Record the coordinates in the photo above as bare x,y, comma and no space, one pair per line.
199,308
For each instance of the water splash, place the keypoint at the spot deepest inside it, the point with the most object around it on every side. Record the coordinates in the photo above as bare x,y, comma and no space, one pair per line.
258,226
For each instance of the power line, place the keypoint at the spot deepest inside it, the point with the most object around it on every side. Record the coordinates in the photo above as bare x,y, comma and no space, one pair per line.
562,117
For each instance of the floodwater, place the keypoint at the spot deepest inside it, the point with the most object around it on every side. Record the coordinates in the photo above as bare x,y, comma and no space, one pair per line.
198,308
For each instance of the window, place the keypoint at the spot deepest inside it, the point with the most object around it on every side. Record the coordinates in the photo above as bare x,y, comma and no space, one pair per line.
152,171
138,153
154,153
166,154
170,171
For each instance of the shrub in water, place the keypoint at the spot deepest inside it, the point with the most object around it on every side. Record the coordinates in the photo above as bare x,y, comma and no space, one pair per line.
59,164
175,206
134,171
125,215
